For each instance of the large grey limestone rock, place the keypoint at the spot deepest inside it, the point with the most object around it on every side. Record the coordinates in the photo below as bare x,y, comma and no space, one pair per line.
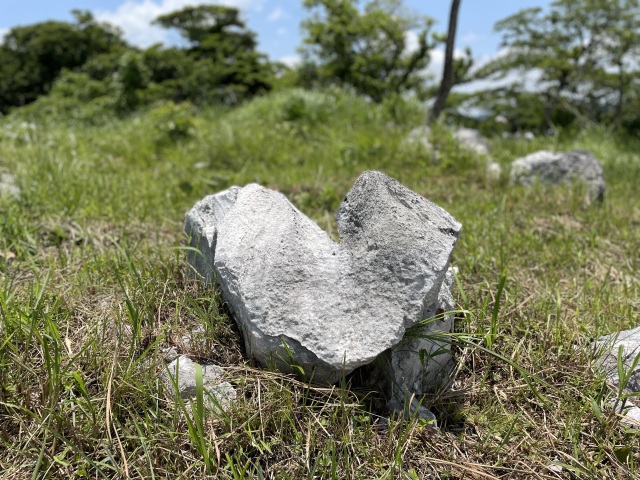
419,137
552,168
300,298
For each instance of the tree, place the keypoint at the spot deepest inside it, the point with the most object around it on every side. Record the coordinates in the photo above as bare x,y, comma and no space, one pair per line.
366,48
32,57
219,37
583,50
447,74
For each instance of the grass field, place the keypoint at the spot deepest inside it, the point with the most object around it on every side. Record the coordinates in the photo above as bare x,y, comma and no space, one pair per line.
94,288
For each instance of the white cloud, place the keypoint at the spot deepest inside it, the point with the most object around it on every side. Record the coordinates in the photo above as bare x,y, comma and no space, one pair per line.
470,37
3,32
411,41
134,17
291,60
530,80
277,14
436,64
282,31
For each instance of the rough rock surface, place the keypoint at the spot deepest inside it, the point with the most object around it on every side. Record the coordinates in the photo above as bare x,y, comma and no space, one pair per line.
472,140
8,185
300,298
201,225
552,168
423,360
220,394
608,349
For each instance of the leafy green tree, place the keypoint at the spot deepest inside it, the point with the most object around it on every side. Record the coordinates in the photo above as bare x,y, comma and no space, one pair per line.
132,78
584,50
220,38
367,47
32,57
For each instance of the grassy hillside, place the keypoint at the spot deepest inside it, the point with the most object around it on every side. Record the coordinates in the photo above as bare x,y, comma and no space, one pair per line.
93,290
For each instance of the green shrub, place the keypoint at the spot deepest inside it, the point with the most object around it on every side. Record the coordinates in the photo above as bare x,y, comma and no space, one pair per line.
172,122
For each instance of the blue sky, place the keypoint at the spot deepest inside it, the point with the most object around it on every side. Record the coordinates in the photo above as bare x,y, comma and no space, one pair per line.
277,22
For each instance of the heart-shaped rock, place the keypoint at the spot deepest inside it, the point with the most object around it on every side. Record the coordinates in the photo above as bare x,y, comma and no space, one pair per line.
300,298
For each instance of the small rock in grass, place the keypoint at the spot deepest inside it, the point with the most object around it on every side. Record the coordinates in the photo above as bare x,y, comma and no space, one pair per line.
493,172
410,407
218,394
8,185
419,137
170,354
608,348
472,140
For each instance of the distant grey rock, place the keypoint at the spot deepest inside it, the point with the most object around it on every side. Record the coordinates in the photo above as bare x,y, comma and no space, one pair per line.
299,298
420,136
493,172
552,168
472,140
8,185
219,394
466,138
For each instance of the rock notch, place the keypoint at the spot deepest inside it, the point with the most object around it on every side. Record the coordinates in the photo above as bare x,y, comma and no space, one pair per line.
552,168
300,298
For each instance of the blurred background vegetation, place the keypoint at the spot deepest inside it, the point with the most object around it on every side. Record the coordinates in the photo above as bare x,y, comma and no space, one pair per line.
580,59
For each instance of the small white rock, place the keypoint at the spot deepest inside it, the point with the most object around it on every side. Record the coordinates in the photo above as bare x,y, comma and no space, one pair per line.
494,171
8,185
183,372
472,140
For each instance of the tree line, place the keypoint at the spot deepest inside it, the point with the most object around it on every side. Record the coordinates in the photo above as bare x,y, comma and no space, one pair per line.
574,62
